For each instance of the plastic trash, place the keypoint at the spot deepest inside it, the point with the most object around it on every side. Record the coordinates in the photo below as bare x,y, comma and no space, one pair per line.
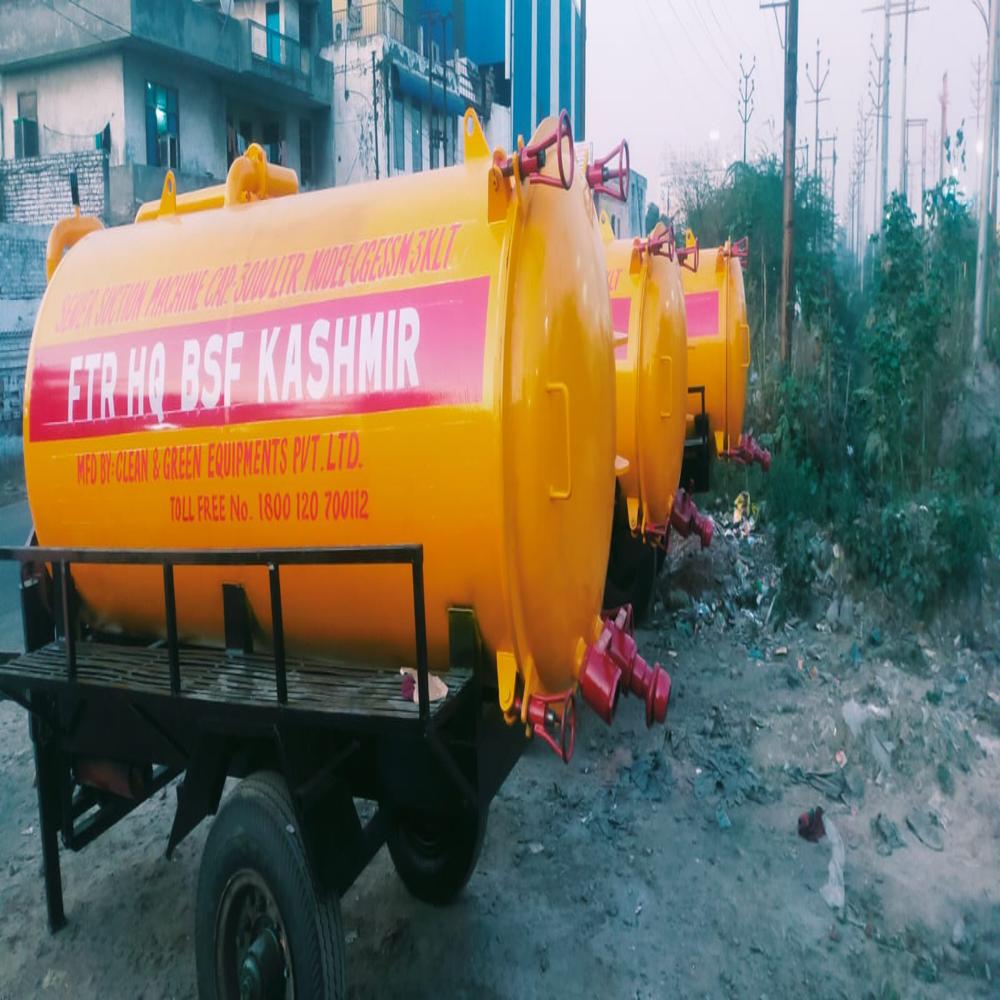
833,891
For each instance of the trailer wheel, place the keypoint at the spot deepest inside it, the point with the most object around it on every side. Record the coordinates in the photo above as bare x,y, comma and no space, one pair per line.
436,854
264,930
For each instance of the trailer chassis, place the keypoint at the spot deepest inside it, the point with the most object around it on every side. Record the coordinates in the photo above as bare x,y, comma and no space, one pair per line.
113,722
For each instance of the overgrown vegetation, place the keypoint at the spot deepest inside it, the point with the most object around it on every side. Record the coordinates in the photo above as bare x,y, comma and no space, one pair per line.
884,428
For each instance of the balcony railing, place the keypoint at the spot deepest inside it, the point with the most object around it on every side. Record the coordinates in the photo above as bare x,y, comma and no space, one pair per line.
274,49
383,17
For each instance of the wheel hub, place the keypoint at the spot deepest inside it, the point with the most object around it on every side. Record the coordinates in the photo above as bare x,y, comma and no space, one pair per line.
262,971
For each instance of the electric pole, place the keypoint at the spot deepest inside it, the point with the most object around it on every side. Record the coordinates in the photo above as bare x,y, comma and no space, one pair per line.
908,9
876,94
943,98
787,308
862,147
986,188
817,86
919,123
747,88
977,94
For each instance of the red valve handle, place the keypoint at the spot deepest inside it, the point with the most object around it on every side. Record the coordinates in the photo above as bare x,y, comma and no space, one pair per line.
531,159
741,251
683,253
599,173
541,715
664,245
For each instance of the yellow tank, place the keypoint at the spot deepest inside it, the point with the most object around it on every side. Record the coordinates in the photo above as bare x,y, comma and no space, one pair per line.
718,340
426,359
647,309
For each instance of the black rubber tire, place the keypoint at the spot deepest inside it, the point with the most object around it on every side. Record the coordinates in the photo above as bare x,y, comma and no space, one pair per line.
256,829
435,855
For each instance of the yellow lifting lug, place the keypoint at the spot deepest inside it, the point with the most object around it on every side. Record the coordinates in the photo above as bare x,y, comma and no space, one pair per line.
252,178
64,234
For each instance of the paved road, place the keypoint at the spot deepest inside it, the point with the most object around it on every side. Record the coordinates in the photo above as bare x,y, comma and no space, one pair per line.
15,524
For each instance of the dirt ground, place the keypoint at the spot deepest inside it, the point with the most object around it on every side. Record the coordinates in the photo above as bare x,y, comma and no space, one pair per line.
659,863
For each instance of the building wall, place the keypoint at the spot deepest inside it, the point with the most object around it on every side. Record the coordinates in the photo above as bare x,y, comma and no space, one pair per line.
22,285
36,191
65,122
201,113
547,38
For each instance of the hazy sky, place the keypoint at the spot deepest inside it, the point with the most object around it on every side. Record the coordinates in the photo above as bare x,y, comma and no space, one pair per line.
665,74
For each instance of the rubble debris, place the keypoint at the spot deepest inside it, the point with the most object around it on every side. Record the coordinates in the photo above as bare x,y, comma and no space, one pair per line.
887,835
925,824
833,891
811,826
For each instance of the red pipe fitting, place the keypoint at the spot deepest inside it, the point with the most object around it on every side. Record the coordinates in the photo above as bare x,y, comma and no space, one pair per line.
542,715
660,243
683,253
740,249
600,678
685,519
749,451
531,159
652,684
599,173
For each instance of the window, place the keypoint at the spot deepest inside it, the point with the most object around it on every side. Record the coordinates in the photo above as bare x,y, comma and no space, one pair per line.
162,127
450,139
398,139
273,20
26,126
418,139
434,141
305,151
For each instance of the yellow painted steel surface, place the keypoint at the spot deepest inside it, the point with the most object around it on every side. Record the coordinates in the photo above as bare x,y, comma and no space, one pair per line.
718,342
647,305
424,360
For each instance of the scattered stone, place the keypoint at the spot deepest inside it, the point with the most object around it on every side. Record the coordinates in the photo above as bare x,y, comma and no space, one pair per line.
887,835
926,827
945,779
845,617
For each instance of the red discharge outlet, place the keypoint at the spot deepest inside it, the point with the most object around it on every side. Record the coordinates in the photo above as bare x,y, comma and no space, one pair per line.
557,711
748,451
600,678
652,684
685,519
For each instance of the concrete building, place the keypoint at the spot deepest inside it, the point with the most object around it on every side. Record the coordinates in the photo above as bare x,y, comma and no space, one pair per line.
402,83
155,84
536,51
628,219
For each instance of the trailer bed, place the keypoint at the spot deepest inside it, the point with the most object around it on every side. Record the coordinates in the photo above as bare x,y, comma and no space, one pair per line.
337,689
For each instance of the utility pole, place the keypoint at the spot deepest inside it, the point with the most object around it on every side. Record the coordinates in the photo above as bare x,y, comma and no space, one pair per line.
802,148
986,188
919,123
747,88
943,98
786,312
903,165
876,95
817,86
978,99
862,146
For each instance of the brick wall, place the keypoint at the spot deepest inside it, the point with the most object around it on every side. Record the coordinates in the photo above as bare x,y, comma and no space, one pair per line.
13,359
22,261
22,284
36,190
